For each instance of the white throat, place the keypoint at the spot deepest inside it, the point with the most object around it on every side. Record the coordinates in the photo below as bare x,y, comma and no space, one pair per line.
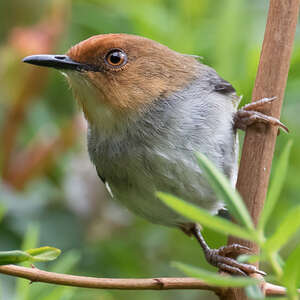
97,113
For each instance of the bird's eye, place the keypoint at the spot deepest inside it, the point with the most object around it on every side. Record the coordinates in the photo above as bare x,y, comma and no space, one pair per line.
116,58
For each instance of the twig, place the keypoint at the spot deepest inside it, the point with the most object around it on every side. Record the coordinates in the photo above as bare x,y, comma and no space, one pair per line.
163,283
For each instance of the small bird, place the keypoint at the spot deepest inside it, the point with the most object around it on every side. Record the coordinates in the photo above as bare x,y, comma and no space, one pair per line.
149,109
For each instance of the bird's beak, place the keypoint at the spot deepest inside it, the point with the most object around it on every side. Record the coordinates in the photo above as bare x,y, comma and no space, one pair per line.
61,62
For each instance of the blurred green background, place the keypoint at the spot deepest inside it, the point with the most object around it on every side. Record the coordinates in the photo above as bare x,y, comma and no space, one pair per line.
48,187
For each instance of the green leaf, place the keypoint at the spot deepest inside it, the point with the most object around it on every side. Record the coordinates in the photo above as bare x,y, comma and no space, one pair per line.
215,279
285,230
225,191
44,253
276,186
201,216
37,254
291,273
254,292
13,257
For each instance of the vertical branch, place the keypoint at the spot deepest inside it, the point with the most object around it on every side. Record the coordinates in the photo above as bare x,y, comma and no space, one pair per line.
260,140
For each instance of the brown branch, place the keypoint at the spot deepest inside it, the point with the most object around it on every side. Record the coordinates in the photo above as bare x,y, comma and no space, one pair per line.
260,140
163,283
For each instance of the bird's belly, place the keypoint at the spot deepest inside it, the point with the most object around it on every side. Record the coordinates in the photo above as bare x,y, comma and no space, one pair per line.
146,205
158,154
135,185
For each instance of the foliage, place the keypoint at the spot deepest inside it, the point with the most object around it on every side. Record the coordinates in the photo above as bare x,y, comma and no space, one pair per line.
32,255
287,274
23,290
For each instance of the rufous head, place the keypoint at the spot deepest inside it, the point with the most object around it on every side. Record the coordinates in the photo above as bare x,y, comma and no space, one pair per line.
122,72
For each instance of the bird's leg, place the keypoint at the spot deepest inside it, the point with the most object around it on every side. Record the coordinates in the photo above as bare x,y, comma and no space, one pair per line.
219,257
249,115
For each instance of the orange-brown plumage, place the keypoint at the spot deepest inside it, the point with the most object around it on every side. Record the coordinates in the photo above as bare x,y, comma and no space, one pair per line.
152,70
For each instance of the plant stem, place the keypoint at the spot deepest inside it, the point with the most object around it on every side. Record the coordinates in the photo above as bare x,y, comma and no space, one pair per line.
259,142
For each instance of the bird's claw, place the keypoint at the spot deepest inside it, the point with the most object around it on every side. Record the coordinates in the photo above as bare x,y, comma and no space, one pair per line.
249,115
256,105
233,250
219,258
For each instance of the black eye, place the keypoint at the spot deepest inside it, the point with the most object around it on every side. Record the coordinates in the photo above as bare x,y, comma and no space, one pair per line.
116,58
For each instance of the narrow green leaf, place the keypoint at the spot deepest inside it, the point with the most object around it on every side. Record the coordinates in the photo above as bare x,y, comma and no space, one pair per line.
225,191
215,279
276,186
291,272
254,292
43,253
13,257
285,230
202,217
37,254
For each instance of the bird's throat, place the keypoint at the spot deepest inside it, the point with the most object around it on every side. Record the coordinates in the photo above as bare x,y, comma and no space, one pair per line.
96,109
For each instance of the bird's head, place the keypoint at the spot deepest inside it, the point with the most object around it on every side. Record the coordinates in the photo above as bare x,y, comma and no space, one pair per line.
120,73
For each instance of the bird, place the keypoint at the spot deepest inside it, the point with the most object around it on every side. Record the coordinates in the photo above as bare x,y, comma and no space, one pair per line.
149,109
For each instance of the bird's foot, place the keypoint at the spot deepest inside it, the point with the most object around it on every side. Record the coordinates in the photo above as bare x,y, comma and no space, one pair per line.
249,115
224,258
219,258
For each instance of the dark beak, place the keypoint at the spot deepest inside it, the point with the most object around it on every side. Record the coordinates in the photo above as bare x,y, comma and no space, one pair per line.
61,62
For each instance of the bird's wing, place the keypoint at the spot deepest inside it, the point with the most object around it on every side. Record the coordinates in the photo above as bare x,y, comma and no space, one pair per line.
224,87
100,176
105,183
